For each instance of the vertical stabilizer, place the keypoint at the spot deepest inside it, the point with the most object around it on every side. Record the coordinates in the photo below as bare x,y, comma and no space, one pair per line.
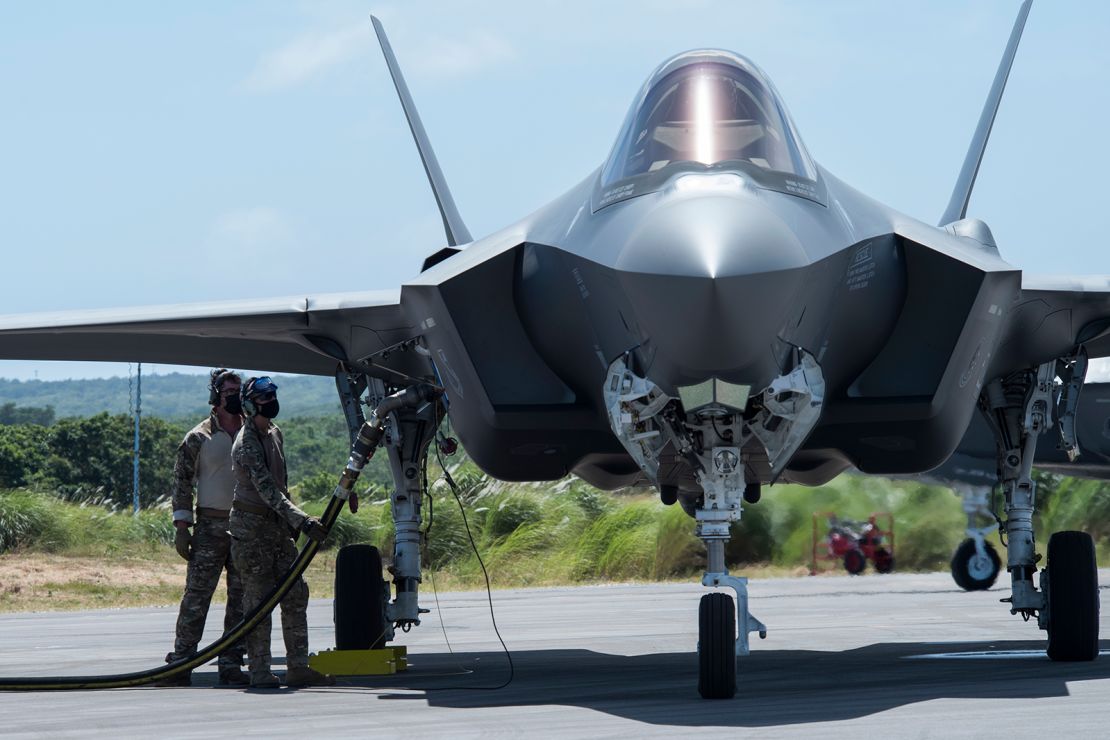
961,194
457,232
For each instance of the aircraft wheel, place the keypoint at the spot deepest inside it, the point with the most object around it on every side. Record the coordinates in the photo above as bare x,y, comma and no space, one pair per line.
972,572
360,597
717,646
884,561
854,562
1072,596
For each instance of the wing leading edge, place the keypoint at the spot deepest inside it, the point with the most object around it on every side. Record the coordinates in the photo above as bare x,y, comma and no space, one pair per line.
308,335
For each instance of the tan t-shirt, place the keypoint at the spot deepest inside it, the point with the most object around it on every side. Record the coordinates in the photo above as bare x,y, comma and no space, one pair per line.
204,461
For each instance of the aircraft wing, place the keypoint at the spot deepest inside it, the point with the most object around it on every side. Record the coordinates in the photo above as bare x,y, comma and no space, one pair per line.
1053,317
300,334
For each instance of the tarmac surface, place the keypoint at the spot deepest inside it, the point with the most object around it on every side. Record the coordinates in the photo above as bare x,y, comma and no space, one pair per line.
891,656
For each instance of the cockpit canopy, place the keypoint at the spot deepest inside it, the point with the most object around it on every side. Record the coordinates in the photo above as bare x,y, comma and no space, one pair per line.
704,111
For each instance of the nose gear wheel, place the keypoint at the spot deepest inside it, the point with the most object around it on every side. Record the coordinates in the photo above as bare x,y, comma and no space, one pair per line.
717,646
973,571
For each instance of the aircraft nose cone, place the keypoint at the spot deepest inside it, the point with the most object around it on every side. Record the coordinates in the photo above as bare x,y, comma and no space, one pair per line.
712,283
712,237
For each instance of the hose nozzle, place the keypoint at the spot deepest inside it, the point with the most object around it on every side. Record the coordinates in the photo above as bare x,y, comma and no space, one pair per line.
371,432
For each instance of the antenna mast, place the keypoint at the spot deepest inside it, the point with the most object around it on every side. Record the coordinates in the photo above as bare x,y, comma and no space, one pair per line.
138,416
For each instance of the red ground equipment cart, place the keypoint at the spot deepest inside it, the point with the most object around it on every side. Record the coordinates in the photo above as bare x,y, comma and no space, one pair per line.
854,543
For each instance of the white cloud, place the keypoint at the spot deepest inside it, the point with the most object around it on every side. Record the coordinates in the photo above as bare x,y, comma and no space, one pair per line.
432,57
307,56
452,58
252,227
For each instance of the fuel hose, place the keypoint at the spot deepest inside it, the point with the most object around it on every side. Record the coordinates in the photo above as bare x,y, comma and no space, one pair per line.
184,665
366,442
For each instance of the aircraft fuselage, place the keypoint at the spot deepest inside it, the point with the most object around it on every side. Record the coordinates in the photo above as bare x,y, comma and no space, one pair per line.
702,282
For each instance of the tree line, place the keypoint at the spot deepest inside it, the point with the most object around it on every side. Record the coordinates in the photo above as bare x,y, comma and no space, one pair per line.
168,396
89,459
12,414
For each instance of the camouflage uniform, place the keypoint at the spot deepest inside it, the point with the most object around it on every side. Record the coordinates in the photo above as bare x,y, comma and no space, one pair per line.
264,523
211,545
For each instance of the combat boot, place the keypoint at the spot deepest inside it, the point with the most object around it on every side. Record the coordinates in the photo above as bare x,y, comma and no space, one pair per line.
264,680
233,676
303,676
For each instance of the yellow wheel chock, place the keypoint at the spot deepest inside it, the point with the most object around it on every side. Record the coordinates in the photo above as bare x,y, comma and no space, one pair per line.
381,662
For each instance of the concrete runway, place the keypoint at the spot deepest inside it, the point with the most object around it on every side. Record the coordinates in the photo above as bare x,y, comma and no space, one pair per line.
890,656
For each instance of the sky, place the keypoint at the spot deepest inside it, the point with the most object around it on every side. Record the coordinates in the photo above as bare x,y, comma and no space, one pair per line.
155,153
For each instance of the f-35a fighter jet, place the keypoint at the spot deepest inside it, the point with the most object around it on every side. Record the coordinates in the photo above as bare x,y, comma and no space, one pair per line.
707,312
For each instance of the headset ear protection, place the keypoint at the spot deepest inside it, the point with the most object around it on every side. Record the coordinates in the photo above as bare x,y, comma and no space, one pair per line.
249,407
251,388
213,387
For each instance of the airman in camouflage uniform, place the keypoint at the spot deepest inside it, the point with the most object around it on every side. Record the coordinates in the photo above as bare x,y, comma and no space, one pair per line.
264,523
204,461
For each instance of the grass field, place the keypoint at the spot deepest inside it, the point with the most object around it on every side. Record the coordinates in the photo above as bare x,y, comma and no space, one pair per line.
60,555
37,581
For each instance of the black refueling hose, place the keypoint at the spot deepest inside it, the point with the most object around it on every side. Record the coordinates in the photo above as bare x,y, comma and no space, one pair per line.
363,449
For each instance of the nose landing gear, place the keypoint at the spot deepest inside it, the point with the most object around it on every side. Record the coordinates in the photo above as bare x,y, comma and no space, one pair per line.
975,564
714,438
719,641
717,646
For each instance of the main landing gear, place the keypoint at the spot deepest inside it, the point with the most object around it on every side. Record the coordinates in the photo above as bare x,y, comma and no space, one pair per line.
407,430
1019,409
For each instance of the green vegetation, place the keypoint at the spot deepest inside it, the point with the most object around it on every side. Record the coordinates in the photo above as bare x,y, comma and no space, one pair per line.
531,534
177,396
12,414
90,460
44,523
23,451
65,494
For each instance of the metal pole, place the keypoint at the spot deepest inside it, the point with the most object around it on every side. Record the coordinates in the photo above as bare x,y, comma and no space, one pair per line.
138,415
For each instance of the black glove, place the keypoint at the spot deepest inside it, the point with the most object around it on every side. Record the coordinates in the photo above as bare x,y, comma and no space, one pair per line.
314,529
183,541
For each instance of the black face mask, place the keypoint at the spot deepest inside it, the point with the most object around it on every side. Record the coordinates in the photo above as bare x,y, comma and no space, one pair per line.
269,409
233,405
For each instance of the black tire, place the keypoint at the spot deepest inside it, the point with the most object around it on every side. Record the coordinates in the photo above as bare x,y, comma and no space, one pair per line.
854,562
884,561
1073,601
360,598
717,646
971,575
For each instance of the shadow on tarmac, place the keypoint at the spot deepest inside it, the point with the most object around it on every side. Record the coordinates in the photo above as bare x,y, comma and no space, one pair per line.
773,687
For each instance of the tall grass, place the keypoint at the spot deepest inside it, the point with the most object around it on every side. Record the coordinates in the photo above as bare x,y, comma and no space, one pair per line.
568,532
31,520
